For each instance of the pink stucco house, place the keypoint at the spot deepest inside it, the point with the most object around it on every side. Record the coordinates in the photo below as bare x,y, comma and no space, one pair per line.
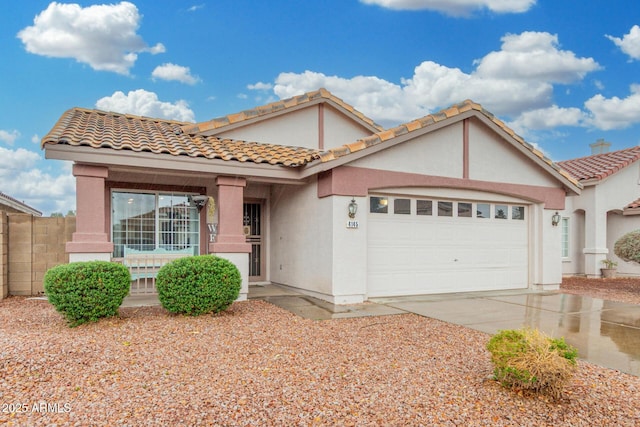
309,193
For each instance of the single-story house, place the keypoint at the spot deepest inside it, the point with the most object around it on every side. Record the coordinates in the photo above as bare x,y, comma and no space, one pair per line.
13,205
607,208
309,193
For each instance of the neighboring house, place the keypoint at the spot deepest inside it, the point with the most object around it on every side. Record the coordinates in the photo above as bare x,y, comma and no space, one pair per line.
450,202
12,205
607,208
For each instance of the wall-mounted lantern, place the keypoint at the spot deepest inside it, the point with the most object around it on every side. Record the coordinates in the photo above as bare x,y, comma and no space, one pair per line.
555,219
353,208
199,201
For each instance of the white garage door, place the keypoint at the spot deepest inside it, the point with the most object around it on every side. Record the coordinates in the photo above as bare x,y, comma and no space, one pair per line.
424,246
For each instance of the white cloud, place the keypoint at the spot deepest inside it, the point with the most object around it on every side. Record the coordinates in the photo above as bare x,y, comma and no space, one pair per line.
143,103
22,179
615,113
260,86
35,138
179,73
195,7
436,86
103,36
534,56
505,82
457,7
629,43
548,118
377,98
9,137
12,161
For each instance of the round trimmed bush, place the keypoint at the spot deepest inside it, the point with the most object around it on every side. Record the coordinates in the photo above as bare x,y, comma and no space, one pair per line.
628,247
87,291
198,285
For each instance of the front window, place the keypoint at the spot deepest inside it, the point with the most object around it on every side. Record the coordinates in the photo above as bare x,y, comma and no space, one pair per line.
565,237
151,221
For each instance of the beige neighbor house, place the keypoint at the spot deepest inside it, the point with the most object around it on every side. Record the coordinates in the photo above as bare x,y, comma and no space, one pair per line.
607,208
309,193
12,205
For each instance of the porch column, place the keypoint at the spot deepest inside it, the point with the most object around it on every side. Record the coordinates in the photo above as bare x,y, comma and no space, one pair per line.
231,242
595,249
90,241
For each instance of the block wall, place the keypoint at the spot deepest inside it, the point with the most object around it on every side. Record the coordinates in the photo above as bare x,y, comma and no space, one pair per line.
4,256
34,245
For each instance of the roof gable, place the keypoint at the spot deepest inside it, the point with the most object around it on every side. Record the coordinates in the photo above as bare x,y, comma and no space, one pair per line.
283,106
436,120
600,166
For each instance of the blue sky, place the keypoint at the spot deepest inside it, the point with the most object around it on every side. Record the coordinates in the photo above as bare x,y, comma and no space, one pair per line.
561,73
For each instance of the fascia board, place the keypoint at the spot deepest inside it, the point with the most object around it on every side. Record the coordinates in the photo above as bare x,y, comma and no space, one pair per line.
160,162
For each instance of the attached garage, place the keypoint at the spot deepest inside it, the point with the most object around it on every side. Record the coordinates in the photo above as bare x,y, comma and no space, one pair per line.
426,245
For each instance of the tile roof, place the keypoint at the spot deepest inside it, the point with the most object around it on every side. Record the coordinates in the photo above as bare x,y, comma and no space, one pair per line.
600,166
633,205
430,120
99,129
275,107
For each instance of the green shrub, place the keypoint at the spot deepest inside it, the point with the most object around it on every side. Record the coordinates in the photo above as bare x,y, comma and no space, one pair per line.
627,247
87,291
198,284
530,360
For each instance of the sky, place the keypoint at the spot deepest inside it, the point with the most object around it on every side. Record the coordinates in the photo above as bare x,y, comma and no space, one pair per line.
562,74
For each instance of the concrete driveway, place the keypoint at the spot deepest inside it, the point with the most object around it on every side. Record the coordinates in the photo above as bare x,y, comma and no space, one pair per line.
606,333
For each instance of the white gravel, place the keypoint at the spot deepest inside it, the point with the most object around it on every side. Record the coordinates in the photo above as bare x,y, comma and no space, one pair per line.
260,365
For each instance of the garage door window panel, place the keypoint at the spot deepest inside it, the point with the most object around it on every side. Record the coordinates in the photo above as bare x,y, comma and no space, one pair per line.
483,210
445,208
402,206
517,213
379,205
464,209
501,212
424,207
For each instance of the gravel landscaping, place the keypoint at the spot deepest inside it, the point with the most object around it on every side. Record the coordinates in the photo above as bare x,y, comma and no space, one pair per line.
257,364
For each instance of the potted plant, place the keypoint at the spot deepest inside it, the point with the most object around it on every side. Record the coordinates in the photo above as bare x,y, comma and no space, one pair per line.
609,270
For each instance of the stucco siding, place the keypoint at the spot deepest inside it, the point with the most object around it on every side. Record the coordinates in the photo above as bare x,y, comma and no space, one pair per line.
439,153
339,130
492,159
620,189
301,238
297,128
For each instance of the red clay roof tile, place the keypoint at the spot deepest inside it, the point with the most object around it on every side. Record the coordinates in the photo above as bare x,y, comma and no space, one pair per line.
98,129
600,166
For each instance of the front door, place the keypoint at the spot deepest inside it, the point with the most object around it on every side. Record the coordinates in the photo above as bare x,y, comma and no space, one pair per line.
252,221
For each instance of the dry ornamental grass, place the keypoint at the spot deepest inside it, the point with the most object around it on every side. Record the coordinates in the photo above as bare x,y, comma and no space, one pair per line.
257,364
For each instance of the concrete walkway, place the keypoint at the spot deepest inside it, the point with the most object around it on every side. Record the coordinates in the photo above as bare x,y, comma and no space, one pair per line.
606,333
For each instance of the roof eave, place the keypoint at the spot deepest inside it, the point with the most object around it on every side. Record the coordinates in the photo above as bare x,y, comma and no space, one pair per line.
158,162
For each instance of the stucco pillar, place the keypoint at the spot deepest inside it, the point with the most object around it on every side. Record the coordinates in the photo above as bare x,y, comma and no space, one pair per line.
231,242
595,249
90,241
